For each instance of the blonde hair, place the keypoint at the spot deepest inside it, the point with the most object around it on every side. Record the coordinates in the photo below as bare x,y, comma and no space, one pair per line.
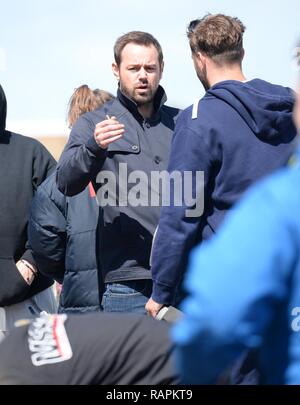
84,100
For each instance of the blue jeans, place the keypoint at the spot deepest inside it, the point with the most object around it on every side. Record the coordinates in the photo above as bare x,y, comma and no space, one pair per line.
127,296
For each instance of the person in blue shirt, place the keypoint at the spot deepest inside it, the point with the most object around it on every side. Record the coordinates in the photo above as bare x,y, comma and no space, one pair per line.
240,131
244,287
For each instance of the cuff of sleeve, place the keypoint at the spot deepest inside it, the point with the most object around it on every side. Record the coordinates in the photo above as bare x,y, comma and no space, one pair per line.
29,257
163,294
13,287
93,147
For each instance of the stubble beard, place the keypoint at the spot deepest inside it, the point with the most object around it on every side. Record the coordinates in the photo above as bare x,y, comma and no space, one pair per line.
203,79
139,99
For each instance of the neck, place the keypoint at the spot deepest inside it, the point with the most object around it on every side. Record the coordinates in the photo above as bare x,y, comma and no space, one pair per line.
227,73
146,110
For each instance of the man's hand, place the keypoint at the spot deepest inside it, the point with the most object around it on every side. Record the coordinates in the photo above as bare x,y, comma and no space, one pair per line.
28,271
108,131
153,307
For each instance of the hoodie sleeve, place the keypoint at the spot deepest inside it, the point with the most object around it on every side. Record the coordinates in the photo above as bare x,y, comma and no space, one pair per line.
13,287
43,165
177,231
81,159
215,330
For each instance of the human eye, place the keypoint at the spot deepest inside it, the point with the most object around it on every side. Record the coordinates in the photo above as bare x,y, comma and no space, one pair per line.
151,68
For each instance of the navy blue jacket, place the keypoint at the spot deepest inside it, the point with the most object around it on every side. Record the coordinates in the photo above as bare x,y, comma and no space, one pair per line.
126,237
62,234
236,134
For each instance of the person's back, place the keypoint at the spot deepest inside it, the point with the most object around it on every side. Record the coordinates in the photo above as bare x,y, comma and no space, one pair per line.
90,349
237,133
248,289
244,131
62,233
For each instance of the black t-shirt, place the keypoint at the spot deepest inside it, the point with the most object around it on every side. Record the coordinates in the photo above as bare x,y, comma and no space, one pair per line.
110,349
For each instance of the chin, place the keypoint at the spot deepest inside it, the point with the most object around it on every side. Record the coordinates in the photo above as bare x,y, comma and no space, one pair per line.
143,99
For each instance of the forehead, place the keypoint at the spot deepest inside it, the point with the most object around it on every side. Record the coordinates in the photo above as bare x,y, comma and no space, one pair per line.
139,54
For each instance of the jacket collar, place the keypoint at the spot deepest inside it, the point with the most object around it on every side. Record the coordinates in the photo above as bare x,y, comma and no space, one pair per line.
123,107
159,100
2,110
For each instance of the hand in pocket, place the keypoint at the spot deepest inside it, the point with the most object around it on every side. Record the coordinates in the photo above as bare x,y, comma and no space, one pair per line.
26,270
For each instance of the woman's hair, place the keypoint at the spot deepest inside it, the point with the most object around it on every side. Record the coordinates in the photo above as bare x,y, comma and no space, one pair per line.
84,100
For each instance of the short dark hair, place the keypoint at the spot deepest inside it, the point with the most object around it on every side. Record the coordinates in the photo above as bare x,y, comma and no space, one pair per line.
139,38
218,36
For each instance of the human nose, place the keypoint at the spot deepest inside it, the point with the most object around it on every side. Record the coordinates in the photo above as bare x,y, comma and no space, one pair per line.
142,74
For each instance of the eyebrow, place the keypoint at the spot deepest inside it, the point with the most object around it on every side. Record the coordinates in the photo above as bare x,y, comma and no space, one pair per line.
138,64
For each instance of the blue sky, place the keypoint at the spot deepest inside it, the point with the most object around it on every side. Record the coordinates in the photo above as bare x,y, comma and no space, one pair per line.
49,47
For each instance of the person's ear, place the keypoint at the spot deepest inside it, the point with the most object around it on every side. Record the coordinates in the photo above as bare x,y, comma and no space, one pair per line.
162,69
115,69
201,58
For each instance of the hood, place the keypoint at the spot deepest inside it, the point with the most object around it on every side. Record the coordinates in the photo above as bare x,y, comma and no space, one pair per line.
2,109
266,108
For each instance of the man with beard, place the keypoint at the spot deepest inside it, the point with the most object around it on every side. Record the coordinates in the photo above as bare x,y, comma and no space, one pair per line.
108,146
240,131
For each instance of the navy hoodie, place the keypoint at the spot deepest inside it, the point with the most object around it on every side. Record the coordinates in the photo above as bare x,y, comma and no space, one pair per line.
237,133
